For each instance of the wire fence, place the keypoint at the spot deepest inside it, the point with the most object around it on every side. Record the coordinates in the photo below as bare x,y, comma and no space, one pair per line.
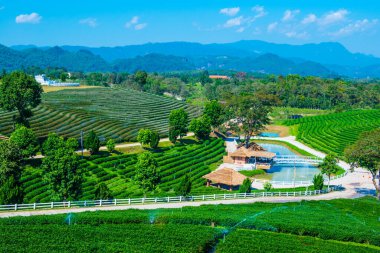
157,200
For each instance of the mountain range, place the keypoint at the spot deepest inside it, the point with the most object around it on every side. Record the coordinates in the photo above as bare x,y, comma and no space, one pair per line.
327,59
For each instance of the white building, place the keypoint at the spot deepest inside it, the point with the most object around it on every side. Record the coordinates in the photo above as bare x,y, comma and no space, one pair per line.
44,80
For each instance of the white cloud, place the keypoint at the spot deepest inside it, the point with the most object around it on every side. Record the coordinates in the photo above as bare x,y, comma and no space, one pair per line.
357,26
297,35
2,8
334,17
33,18
289,15
240,30
311,18
91,22
234,22
259,11
135,24
272,26
230,11
140,26
132,22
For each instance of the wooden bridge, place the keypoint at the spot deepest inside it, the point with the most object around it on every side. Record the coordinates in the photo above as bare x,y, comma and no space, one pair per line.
293,159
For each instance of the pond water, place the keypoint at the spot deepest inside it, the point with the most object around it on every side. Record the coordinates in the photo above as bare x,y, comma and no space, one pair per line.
288,172
269,134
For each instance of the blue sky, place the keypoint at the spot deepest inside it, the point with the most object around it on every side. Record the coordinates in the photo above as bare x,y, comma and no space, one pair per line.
356,24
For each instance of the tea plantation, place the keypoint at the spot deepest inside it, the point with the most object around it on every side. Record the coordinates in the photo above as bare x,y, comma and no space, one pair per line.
346,225
112,113
117,172
332,133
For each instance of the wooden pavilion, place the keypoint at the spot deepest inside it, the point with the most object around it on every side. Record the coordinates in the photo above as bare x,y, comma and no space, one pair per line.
225,176
254,154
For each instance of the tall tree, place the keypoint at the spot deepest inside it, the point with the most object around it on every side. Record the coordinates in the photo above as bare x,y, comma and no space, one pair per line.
144,136
366,153
21,92
201,127
10,173
178,121
329,166
52,143
26,140
146,171
62,171
184,187
92,142
215,112
154,139
250,115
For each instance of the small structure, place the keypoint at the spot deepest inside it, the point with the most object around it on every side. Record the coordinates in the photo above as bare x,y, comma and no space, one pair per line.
225,176
253,155
44,80
218,77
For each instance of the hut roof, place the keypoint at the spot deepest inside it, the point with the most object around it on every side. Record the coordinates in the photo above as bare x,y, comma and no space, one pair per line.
244,152
226,176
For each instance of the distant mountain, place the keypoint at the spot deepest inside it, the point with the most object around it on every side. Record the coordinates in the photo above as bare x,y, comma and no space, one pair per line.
324,59
154,63
329,53
182,49
82,60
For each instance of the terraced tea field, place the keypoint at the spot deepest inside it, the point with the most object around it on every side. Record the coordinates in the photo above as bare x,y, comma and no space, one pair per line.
117,172
112,113
341,225
332,133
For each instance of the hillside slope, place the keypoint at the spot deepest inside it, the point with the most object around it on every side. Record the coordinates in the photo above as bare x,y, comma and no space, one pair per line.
112,113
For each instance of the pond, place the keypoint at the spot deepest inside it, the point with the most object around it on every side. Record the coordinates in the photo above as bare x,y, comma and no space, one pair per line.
288,172
269,134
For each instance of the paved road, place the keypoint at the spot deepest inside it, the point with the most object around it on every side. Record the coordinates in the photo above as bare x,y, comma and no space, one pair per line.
332,195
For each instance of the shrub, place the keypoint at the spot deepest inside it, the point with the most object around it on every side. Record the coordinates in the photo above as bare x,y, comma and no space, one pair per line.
318,182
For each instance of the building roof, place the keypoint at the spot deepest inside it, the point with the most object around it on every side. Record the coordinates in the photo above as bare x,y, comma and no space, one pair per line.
244,152
218,77
226,176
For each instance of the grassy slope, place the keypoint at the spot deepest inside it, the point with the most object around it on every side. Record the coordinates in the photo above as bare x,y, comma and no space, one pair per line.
112,113
332,133
292,227
195,159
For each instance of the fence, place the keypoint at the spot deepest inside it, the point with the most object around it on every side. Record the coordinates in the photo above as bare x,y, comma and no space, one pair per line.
137,201
298,183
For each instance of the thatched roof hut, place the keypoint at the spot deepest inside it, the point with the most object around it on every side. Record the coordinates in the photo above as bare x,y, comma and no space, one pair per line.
226,176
